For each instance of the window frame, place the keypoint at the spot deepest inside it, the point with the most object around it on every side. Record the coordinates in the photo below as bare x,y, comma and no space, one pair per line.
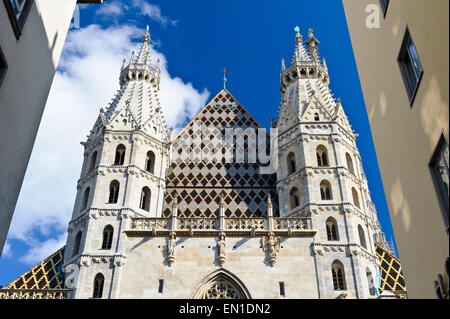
18,23
442,197
3,66
403,54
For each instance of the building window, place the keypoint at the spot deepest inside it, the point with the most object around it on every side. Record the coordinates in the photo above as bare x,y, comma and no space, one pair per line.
160,286
145,199
355,198
384,5
349,160
439,171
337,272
77,244
107,237
325,190
98,286
316,117
282,290
113,192
294,198
410,66
17,12
85,199
332,230
120,155
362,237
292,167
370,282
3,66
150,162
93,161
322,156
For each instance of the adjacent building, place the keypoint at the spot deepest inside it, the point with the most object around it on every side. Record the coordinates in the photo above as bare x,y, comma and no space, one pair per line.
402,53
31,40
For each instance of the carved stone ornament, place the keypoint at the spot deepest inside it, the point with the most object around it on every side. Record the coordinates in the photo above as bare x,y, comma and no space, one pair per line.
271,245
222,246
171,243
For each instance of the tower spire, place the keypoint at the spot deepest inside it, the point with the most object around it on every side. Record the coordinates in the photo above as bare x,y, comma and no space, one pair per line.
224,70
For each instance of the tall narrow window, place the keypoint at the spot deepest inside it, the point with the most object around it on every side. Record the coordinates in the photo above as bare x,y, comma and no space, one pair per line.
3,66
337,272
160,286
325,190
77,244
322,156
332,231
150,162
93,161
282,290
349,160
108,232
291,163
370,282
85,198
355,197
120,155
439,171
410,66
98,286
113,192
294,198
17,12
362,237
316,117
145,199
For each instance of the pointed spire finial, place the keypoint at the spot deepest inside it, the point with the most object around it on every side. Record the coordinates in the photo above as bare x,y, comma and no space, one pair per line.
146,37
224,70
283,66
298,36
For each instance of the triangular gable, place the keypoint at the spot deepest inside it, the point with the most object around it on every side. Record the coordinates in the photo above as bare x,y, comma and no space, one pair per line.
199,182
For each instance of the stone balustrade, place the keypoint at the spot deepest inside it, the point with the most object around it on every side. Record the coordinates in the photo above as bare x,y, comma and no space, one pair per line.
33,293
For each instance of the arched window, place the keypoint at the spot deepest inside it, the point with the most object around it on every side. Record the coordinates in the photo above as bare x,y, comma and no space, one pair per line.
291,163
332,229
145,199
322,156
370,282
362,237
325,190
98,286
150,162
349,163
77,244
337,271
93,161
355,197
108,232
113,192
85,198
316,117
120,155
294,198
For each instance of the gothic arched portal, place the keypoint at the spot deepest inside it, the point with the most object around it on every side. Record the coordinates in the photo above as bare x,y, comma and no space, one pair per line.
221,284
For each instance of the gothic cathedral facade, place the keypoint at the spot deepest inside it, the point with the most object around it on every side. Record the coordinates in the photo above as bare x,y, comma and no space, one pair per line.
149,223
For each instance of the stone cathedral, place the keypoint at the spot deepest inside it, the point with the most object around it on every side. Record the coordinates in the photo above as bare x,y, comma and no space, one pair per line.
150,223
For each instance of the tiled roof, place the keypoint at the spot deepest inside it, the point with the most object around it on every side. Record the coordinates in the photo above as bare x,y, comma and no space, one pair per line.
45,275
198,183
392,278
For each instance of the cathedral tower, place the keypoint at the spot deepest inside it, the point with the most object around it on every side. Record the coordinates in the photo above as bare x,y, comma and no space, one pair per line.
125,165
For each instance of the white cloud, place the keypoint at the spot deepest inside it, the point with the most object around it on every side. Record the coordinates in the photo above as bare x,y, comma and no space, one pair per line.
110,9
153,12
86,81
6,253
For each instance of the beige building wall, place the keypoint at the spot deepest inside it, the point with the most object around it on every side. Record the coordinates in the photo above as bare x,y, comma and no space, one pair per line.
405,136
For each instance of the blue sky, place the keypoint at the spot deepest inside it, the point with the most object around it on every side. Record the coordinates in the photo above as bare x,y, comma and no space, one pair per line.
194,40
